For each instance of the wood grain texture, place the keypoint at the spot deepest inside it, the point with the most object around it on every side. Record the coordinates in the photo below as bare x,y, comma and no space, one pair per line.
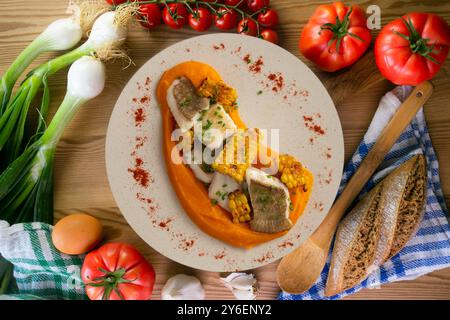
80,176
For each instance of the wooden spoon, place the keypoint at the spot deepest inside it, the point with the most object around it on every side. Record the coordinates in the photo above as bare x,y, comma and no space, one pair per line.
299,270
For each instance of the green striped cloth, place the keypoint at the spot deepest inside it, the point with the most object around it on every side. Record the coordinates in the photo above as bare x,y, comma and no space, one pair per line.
40,270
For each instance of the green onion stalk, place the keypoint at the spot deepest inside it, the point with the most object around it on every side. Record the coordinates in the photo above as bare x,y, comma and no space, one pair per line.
60,35
26,186
108,33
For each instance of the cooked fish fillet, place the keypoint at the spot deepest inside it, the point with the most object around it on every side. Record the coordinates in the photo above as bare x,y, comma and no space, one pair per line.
184,103
219,189
270,202
214,126
379,226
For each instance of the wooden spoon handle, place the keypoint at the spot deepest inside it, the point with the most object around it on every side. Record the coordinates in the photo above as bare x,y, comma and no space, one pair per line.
403,116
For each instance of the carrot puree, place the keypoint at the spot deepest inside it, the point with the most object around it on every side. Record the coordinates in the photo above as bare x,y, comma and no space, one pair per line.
192,193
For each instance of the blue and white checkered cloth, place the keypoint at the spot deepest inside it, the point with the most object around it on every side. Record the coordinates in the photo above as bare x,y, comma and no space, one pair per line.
429,249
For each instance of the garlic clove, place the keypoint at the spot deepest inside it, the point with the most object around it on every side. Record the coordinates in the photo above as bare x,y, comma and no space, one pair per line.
183,287
242,285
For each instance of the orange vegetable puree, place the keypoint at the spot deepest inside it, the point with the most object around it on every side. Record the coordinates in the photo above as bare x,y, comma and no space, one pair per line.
192,193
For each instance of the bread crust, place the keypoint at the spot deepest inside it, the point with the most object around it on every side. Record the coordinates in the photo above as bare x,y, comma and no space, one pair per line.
398,198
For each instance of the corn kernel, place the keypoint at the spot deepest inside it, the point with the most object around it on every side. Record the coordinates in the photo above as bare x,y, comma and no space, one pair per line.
240,210
290,172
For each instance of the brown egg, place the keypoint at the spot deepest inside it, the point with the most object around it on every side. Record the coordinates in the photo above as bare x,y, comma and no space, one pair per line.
77,233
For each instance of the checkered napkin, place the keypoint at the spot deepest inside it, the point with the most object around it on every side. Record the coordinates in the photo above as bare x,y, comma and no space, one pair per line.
40,271
429,249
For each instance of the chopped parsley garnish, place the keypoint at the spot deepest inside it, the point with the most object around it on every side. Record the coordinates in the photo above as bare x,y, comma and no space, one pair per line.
259,92
207,126
186,101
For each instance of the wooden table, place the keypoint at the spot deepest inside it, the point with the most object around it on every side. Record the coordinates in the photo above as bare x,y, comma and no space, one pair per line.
80,178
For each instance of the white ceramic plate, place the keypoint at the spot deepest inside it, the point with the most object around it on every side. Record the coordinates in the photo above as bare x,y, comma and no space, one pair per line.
299,106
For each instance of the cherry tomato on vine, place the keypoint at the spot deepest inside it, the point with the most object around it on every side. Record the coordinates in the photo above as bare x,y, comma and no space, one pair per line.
116,2
255,5
268,18
200,19
150,15
175,15
235,2
226,19
248,26
269,35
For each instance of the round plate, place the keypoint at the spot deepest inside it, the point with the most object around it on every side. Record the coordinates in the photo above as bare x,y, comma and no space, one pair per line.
276,91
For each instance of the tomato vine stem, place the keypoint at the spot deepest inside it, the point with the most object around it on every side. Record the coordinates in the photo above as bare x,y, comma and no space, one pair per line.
213,6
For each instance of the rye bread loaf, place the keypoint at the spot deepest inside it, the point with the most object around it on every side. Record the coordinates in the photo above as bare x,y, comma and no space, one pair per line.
379,226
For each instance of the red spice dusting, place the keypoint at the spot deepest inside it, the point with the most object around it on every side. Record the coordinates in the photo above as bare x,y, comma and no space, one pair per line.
277,81
148,203
188,50
140,175
147,81
201,254
318,206
139,117
328,154
312,126
219,47
247,59
139,144
256,66
134,99
220,255
286,244
265,257
164,224
186,244
238,49
144,99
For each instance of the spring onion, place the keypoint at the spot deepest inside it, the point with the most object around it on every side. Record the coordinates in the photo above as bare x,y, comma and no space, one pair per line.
108,33
60,35
26,185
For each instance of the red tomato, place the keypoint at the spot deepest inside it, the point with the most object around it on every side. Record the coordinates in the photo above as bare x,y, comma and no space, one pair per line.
248,27
255,5
116,2
335,36
269,35
150,15
226,19
201,19
235,3
117,271
268,18
412,49
175,15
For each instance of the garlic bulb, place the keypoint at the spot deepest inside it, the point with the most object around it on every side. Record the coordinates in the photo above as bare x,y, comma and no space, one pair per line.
183,287
242,285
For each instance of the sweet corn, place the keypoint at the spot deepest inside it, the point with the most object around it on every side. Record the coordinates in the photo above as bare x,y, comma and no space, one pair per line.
290,171
238,154
240,209
220,92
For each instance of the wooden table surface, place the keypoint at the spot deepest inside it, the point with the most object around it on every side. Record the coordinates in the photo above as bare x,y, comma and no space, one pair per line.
81,184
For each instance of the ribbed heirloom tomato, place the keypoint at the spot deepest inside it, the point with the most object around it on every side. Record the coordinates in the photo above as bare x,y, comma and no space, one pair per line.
335,36
412,49
117,271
